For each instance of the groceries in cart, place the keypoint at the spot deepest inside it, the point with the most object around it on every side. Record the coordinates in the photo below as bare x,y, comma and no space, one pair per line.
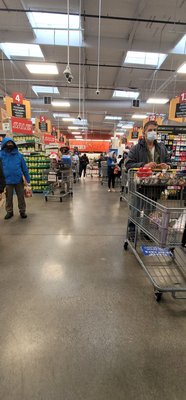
145,176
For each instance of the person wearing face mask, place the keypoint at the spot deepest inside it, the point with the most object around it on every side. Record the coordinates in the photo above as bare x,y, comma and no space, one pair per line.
14,169
148,152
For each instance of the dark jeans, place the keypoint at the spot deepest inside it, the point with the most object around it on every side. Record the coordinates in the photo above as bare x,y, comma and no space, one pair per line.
19,189
83,169
111,178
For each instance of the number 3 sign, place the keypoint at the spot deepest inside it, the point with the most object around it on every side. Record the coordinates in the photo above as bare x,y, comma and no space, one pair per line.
17,98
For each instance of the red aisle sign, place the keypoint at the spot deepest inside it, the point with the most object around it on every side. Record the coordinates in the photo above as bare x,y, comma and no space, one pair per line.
21,125
17,98
42,118
91,146
183,97
48,138
152,117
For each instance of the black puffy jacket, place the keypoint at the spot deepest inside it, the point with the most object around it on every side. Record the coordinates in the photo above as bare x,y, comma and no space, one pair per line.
137,156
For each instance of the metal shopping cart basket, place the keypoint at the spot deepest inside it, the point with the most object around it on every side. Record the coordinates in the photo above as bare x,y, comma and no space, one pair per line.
124,183
60,181
156,222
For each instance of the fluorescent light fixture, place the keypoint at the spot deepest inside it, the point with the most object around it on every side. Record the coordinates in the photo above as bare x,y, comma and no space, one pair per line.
113,117
144,58
45,89
139,116
59,103
120,133
157,101
126,94
42,68
68,119
75,133
182,69
21,50
180,46
74,127
80,121
78,137
128,126
60,115
49,26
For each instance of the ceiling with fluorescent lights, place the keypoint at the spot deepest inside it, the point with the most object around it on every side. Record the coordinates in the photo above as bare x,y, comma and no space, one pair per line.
157,28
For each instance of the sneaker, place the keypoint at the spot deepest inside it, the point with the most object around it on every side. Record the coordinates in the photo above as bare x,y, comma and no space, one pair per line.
109,190
113,190
9,215
23,215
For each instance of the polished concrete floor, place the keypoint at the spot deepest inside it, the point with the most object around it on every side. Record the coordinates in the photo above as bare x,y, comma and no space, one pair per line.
78,320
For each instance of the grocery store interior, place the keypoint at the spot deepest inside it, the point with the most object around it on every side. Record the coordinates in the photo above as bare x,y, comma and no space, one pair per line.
87,310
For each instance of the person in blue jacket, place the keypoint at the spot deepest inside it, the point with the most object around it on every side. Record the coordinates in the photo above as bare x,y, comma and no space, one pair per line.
111,163
14,169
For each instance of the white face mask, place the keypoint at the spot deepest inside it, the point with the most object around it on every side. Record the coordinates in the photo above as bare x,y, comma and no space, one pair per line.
151,136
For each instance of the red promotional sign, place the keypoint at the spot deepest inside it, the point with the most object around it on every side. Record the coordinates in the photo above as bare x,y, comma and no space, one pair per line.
17,98
91,146
183,97
21,125
152,117
42,118
48,138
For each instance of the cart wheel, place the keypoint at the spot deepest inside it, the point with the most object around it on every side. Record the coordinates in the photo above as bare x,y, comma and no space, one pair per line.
125,245
71,194
61,199
102,183
52,192
158,296
120,198
46,198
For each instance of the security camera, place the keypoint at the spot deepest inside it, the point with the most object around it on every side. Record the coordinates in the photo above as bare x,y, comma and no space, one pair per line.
79,117
68,74
69,80
97,92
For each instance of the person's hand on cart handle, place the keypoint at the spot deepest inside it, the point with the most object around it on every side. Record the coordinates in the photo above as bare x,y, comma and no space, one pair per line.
163,166
151,165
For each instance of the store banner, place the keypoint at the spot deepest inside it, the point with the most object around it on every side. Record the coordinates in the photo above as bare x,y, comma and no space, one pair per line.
91,146
21,125
48,138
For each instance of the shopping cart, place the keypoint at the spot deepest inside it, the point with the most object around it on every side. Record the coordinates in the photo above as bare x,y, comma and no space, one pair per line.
156,222
92,169
124,183
104,172
75,170
60,181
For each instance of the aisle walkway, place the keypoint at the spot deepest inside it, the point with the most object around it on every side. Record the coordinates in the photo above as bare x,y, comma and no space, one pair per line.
78,320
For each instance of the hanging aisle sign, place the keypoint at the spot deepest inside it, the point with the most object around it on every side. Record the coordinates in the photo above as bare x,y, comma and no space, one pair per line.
17,98
17,106
181,106
43,124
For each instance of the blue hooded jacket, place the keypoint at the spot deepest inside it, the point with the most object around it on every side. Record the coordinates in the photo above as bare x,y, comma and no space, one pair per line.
14,165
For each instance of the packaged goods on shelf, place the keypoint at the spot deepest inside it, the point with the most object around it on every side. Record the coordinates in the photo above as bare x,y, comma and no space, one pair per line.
38,165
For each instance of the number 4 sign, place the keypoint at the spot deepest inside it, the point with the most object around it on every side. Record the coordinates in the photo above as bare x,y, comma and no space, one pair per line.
17,98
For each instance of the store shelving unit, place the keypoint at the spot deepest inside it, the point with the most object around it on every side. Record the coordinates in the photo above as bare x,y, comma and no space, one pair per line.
37,162
38,165
174,138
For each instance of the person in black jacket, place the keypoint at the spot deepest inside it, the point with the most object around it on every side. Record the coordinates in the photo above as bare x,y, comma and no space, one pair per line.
84,161
2,180
148,152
